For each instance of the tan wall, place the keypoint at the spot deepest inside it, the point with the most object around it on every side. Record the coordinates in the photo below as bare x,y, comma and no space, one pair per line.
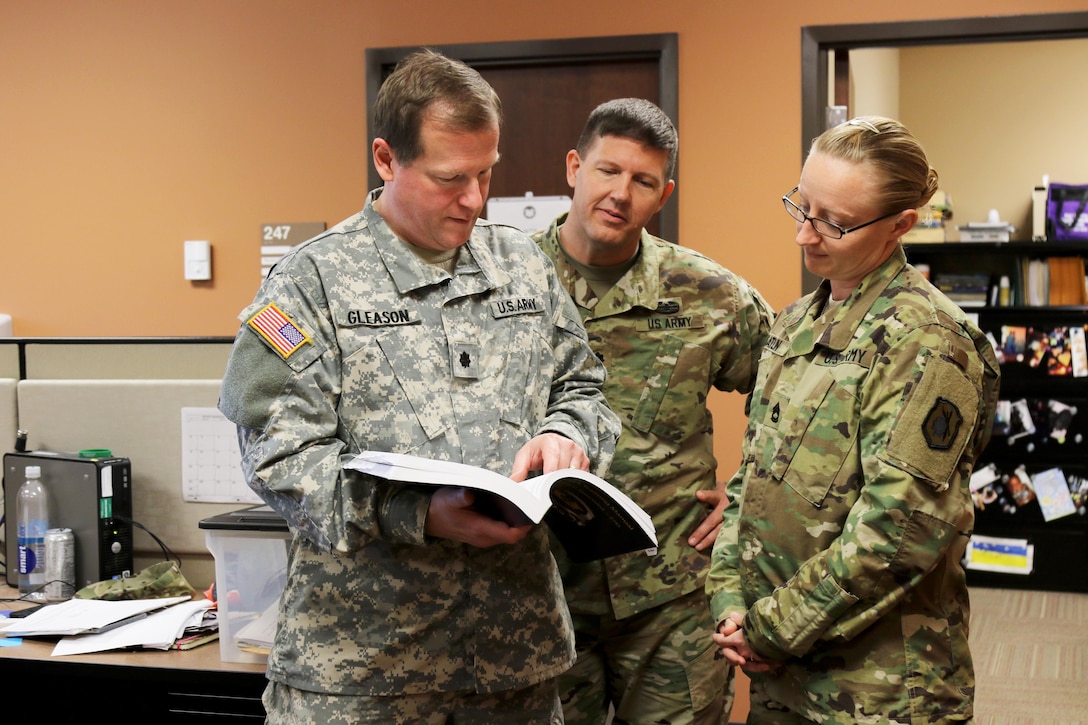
130,127
994,118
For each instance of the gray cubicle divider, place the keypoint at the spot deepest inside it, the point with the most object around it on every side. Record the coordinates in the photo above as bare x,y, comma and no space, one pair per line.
178,359
142,421
9,419
9,359
9,423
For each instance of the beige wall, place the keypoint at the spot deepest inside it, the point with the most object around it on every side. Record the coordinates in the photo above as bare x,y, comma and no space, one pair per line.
995,117
874,82
130,126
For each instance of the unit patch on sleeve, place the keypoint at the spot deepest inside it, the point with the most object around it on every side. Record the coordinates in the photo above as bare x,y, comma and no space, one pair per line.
278,330
942,424
934,425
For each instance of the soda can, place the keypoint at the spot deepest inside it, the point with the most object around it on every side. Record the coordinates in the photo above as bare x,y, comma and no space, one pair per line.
60,564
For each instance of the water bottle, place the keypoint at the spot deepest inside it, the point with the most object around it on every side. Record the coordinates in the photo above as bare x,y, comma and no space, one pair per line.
32,514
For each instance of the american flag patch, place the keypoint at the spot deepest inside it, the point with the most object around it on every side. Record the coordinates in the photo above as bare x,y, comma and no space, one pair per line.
274,326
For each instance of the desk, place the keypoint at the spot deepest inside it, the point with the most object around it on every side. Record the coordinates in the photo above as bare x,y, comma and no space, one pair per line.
133,686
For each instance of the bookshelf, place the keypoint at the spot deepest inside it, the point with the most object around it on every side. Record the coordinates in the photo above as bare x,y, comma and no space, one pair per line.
1043,420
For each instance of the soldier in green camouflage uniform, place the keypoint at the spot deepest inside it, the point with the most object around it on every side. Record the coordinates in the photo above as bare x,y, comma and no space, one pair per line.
412,328
669,324
837,577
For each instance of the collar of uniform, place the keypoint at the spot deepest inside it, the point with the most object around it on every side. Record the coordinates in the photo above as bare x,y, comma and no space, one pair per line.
840,331
409,272
575,285
639,286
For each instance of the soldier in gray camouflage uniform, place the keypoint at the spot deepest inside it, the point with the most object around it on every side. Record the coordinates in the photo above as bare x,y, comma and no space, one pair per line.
670,325
412,328
837,577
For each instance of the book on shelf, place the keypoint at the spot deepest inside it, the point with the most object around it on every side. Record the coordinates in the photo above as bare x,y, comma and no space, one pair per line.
966,290
1066,277
1051,281
590,517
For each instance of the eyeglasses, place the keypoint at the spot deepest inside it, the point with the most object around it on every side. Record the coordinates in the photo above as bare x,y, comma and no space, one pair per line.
822,226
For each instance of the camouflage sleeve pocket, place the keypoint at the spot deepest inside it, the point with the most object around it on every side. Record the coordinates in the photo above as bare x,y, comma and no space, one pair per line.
935,424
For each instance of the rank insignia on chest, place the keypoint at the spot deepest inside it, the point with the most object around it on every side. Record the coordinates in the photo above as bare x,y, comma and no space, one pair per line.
942,424
776,413
278,330
465,361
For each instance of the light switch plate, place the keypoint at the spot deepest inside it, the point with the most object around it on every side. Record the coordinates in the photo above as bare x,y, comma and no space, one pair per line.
198,260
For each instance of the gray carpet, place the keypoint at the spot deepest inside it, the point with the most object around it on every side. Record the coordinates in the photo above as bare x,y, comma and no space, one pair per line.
1031,657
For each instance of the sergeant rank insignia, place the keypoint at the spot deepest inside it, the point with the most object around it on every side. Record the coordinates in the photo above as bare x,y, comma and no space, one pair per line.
942,424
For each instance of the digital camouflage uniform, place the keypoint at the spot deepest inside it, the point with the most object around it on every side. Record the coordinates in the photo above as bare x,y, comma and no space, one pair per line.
377,350
854,508
674,326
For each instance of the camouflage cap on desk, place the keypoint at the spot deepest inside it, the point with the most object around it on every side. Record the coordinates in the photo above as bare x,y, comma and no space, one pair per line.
155,582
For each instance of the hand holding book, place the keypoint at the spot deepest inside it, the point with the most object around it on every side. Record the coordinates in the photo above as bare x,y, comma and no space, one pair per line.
590,517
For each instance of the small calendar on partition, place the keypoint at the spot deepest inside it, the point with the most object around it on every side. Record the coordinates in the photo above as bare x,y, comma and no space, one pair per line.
210,461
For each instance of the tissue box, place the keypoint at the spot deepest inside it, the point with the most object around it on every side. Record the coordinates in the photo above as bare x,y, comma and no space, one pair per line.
250,551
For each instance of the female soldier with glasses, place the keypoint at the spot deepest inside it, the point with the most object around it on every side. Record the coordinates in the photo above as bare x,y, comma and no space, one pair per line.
836,578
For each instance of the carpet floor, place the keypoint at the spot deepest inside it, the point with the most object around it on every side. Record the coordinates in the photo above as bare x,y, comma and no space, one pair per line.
1031,657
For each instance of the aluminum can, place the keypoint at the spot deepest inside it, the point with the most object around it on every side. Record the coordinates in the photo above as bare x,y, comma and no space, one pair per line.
60,564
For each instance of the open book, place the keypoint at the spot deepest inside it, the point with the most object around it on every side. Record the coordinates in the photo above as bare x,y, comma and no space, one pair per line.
591,518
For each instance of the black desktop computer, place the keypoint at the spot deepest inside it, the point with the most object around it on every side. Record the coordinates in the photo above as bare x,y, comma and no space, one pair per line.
92,496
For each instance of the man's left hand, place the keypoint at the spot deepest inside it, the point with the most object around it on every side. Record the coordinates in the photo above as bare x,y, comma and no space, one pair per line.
707,532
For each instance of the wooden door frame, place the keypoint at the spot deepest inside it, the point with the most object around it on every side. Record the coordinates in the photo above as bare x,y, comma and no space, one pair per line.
662,47
819,40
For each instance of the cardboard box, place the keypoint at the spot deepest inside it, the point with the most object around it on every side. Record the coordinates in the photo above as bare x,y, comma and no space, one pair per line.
924,235
250,551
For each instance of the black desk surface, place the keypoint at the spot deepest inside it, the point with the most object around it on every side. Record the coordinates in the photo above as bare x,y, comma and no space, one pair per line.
148,682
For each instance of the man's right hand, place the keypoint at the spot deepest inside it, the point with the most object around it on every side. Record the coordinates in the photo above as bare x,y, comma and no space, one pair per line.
451,516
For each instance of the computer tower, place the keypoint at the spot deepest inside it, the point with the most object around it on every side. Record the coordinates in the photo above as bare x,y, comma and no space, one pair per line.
90,496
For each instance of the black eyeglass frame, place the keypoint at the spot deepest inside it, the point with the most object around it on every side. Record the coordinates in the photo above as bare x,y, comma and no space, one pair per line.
791,208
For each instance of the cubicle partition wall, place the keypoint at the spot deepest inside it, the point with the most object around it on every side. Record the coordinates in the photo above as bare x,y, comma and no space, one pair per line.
8,425
9,359
126,395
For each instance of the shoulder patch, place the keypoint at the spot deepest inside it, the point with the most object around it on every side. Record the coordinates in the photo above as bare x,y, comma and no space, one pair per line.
942,424
278,330
935,424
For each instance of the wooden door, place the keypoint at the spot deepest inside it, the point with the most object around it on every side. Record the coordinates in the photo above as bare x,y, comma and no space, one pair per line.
548,89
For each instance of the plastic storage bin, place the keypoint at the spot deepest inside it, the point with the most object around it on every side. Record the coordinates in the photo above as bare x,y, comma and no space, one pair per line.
250,551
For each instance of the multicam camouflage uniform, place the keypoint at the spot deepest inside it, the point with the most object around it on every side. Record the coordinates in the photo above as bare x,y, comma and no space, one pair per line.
675,325
855,512
353,343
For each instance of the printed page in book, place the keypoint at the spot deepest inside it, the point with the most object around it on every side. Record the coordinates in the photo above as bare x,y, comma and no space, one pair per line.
591,518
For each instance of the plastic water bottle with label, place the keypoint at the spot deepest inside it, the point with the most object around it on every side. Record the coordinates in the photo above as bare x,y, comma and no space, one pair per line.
33,520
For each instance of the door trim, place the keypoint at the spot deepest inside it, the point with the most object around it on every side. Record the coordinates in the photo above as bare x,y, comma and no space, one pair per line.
664,47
